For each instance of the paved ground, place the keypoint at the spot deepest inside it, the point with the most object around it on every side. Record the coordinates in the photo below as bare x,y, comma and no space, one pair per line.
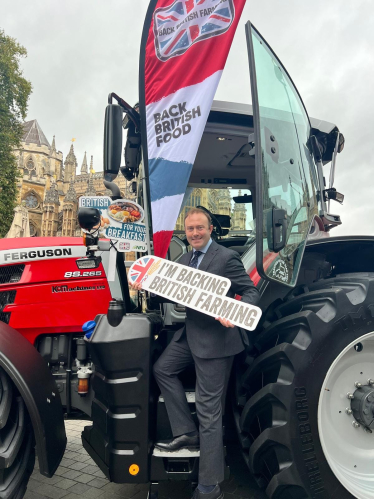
78,477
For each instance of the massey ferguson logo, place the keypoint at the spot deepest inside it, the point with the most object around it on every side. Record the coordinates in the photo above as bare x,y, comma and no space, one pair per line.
185,22
38,254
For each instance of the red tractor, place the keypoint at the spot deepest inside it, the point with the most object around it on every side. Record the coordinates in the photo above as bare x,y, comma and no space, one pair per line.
43,300
301,398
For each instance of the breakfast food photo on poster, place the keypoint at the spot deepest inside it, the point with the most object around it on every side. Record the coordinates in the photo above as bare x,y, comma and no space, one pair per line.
121,220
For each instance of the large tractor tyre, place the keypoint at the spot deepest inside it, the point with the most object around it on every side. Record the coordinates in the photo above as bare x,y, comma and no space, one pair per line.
17,445
305,405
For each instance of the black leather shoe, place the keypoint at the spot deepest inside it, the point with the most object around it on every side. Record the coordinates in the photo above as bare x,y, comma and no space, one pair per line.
215,494
181,442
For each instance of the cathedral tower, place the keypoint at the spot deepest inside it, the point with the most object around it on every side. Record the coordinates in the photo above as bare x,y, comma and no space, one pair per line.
223,201
70,165
239,215
84,164
92,171
38,163
50,212
69,211
55,166
90,191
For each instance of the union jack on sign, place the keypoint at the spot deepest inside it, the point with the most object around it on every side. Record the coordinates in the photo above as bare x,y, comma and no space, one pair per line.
185,22
139,269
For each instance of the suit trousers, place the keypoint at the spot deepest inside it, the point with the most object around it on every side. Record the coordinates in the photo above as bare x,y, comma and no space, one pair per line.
212,377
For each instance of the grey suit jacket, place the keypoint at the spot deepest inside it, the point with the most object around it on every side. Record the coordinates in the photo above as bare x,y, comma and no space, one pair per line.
206,337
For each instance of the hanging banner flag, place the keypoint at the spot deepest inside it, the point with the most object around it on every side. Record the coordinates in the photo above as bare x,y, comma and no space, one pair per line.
194,289
184,49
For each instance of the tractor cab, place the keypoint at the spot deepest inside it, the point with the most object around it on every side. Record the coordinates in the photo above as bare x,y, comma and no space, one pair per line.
259,173
274,155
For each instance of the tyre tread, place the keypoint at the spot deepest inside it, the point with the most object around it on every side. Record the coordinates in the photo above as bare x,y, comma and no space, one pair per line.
304,317
17,443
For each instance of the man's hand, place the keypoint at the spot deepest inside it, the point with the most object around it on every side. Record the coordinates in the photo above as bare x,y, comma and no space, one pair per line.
224,322
135,285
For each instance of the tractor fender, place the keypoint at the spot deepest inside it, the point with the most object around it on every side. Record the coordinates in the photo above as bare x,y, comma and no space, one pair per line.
34,381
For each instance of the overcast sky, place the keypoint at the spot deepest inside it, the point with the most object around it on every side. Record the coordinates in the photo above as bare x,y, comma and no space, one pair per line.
80,50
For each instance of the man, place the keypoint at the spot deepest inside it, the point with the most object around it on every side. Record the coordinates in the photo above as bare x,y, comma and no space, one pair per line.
211,345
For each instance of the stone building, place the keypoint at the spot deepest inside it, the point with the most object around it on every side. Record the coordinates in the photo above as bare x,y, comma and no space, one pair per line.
239,216
51,187
217,201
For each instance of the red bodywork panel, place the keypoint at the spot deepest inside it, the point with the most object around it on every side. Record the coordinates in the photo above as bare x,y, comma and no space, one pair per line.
53,295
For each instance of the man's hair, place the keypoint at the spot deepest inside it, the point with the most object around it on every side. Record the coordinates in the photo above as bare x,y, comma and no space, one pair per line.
195,211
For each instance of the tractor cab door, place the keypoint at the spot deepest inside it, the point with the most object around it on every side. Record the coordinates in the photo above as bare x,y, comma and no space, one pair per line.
286,175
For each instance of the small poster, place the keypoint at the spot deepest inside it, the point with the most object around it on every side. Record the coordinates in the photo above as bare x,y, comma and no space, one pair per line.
121,220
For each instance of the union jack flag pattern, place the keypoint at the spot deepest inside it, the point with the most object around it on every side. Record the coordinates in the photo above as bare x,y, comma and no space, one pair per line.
139,269
185,22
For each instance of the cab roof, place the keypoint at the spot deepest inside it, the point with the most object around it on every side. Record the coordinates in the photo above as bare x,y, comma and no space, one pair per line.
223,158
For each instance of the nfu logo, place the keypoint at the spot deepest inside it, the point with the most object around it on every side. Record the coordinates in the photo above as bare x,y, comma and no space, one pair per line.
185,22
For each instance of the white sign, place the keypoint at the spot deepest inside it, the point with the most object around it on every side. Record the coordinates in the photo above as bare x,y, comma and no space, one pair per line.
194,289
121,220
24,255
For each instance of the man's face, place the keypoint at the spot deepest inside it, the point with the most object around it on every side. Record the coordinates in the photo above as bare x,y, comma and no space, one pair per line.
198,230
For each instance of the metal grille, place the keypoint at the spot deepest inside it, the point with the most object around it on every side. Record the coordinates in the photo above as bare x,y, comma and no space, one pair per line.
11,273
6,297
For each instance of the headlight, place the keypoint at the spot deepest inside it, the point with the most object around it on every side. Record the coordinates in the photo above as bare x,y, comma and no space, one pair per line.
91,262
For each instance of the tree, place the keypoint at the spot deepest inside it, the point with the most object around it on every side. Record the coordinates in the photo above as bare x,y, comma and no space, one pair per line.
14,94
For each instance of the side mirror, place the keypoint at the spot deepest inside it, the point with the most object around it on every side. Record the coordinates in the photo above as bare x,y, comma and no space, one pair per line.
132,151
88,218
276,229
112,138
341,142
247,198
332,193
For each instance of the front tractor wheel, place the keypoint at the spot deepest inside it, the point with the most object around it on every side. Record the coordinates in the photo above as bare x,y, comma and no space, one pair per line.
305,405
17,447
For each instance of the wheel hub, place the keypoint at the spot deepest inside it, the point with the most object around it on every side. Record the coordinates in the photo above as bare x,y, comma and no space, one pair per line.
346,441
362,406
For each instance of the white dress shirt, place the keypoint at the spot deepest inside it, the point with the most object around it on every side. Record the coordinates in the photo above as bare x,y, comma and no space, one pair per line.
203,251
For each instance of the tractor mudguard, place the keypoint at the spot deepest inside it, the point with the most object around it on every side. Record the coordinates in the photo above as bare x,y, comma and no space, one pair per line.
34,381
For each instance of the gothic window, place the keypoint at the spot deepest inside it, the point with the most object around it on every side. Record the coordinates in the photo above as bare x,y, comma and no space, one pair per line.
31,200
194,199
60,221
30,167
189,201
197,197
33,229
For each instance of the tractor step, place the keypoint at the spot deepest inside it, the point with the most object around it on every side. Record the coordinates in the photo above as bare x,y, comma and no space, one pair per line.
182,464
163,430
180,453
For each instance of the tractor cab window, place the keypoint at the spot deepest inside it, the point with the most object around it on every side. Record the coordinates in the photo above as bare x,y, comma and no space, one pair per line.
285,167
232,215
